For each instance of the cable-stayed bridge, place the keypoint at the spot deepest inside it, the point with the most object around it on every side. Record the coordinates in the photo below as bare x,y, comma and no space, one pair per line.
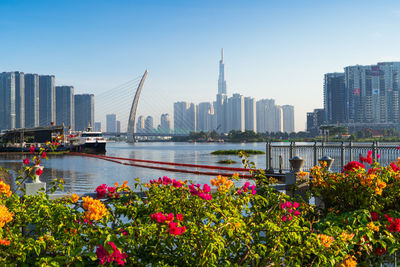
124,101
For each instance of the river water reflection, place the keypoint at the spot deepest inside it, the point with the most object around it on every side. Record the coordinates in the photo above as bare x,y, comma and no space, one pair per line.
83,174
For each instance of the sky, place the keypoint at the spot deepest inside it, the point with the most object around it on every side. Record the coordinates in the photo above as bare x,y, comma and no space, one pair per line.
273,49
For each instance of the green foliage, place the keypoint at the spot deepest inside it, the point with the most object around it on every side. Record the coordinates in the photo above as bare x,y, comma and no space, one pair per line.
226,161
240,225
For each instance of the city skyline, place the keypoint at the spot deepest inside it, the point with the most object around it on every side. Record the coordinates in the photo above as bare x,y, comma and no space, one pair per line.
275,50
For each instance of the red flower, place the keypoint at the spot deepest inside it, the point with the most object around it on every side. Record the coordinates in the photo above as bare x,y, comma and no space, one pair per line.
380,251
353,165
394,224
368,159
176,183
102,254
26,161
179,217
32,149
101,190
39,171
374,216
44,155
159,217
394,167
175,230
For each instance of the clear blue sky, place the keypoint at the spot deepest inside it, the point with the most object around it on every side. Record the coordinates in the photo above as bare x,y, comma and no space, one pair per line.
273,49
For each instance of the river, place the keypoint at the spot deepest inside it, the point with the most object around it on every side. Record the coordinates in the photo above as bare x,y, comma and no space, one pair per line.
84,174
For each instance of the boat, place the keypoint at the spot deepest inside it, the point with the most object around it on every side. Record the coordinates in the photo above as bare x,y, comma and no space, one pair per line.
88,141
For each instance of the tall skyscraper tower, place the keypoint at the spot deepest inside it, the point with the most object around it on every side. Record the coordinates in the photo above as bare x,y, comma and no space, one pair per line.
334,98
111,123
221,106
7,100
84,111
31,100
47,100
288,118
19,99
250,114
221,79
65,107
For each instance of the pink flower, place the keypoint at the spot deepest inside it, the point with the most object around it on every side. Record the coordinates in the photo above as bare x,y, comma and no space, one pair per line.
296,213
239,192
179,217
159,217
101,190
284,218
102,254
295,205
32,149
246,185
378,156
26,161
353,165
290,218
206,188
283,206
123,232
175,230
288,204
169,217
176,183
39,171
44,155
253,192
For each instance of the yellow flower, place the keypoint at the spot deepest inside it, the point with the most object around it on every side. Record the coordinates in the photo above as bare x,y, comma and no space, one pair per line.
301,174
348,262
5,215
5,188
325,240
373,227
95,209
74,198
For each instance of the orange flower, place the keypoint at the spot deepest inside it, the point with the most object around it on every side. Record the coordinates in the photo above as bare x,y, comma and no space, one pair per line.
5,189
5,215
223,183
95,209
74,198
373,227
4,242
325,240
346,236
348,262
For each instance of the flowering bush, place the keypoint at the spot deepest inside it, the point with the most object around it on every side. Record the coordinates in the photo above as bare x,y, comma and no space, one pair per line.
181,223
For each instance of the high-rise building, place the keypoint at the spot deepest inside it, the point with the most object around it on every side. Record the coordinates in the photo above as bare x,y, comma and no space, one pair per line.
47,100
221,78
19,99
165,123
65,108
266,115
7,100
372,93
250,123
334,98
288,118
84,111
140,124
97,126
205,113
31,100
314,120
185,115
148,124
221,107
111,123
236,113
118,126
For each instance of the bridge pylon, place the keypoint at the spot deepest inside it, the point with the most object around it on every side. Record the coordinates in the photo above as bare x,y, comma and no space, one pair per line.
132,115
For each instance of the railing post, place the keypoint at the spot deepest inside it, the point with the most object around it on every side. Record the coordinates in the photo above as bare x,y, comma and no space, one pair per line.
350,151
291,150
315,154
375,150
269,168
267,156
342,155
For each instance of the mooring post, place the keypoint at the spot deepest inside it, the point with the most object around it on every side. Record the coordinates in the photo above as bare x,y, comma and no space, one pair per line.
350,151
315,154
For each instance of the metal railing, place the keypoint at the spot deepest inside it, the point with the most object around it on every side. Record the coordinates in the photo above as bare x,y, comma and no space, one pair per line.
278,155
